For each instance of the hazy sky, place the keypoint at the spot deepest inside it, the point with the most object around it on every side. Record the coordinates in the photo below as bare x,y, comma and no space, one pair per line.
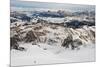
33,4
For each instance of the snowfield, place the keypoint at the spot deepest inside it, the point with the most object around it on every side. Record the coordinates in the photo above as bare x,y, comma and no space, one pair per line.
35,55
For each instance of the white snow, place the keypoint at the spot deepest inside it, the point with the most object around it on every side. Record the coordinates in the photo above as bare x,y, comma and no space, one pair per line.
35,55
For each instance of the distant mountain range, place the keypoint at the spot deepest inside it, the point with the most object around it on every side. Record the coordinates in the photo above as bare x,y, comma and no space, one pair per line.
47,5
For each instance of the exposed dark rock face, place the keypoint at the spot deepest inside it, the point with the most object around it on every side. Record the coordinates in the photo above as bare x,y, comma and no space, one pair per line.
38,28
67,42
93,33
42,21
51,41
14,43
26,24
78,24
34,43
30,36
21,16
40,33
51,14
21,49
13,20
25,18
77,43
70,42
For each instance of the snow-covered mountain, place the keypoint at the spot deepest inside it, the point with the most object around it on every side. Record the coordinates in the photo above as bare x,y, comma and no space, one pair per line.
45,32
38,37
37,43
